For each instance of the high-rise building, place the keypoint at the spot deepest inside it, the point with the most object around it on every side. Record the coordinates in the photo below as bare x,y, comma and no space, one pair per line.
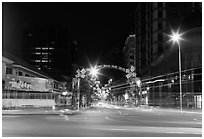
129,51
152,22
48,48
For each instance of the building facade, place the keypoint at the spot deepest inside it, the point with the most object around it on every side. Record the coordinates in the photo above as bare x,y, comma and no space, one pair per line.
47,46
155,56
164,82
129,51
24,85
153,21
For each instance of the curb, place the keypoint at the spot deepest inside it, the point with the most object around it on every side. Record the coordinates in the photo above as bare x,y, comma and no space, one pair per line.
58,112
160,109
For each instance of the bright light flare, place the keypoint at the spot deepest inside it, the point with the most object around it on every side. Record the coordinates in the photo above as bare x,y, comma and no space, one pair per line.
94,72
176,37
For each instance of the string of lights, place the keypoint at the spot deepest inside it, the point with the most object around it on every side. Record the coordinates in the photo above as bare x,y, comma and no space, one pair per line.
156,85
167,79
170,74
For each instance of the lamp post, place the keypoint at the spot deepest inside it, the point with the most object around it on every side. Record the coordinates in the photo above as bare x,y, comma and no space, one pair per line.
80,74
176,37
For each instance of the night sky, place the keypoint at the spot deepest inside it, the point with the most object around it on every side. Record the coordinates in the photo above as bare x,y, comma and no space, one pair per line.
100,29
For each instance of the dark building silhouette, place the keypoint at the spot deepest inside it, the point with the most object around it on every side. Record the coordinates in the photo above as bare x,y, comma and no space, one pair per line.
49,48
129,51
157,60
152,22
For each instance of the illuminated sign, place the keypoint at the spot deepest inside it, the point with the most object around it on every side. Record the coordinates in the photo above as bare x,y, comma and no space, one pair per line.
13,82
111,66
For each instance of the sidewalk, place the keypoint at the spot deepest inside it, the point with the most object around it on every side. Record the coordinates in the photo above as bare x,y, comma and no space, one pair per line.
41,112
153,108
184,110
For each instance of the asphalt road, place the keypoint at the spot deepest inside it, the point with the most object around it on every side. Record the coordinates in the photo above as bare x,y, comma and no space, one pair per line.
104,121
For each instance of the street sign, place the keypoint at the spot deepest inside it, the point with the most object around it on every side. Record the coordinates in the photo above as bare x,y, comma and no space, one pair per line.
127,71
83,71
82,76
132,68
128,76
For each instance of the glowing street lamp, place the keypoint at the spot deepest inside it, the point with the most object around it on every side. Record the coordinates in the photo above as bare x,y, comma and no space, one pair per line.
94,72
175,38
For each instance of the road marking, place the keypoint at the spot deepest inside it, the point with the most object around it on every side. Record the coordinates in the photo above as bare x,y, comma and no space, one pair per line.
149,129
66,117
107,118
120,112
176,132
9,116
117,129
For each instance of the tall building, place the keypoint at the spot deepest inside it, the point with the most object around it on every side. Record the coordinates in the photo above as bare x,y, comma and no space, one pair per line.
157,61
152,22
48,48
129,51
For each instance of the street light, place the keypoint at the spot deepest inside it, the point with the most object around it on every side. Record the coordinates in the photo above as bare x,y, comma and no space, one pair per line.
176,37
94,72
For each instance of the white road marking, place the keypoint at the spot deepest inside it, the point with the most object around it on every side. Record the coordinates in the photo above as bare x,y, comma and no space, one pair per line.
66,117
147,129
120,112
9,116
107,118
117,129
176,132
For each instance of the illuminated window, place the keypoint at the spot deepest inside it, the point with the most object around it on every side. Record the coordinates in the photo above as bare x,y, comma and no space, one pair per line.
37,60
51,48
37,53
37,48
44,48
44,53
44,60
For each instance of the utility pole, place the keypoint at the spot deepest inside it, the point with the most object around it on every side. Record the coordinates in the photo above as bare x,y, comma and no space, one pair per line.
78,92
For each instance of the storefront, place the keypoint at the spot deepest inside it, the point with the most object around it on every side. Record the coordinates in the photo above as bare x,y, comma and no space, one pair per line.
23,91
